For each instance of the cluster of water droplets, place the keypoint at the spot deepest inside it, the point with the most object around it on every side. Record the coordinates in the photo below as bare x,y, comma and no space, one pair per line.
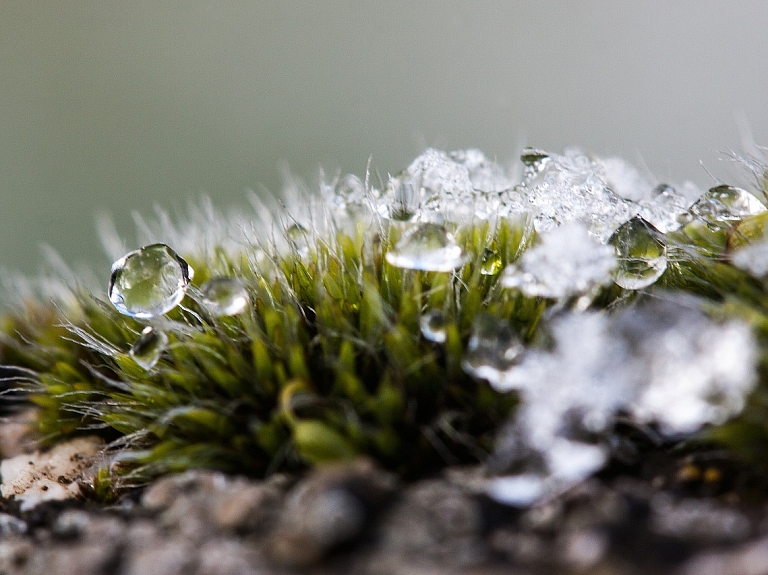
150,282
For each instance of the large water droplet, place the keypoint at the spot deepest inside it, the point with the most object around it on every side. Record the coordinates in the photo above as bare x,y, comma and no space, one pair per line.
149,281
149,347
493,349
642,254
725,204
433,325
224,296
427,247
567,262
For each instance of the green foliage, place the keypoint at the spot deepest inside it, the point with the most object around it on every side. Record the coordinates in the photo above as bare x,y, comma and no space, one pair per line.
328,361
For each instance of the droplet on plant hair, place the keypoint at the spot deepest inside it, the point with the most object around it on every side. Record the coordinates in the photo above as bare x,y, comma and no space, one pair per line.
725,204
433,325
224,296
149,347
641,251
149,282
427,247
493,349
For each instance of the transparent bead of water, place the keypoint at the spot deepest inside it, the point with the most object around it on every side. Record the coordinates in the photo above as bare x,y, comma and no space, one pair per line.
149,282
433,325
534,162
726,204
298,237
493,349
490,263
427,247
224,296
641,251
149,347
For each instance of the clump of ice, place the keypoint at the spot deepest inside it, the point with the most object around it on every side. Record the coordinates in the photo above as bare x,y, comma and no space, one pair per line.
664,363
753,258
567,262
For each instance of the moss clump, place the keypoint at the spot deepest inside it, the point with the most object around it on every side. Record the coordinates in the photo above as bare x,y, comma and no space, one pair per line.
327,361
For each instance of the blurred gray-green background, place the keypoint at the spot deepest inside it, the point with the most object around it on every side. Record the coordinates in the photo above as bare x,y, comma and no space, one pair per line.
117,106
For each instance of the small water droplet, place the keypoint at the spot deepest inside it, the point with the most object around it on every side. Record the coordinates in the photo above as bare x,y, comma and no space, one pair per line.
726,204
427,247
432,326
149,282
298,237
492,350
490,263
224,296
641,251
534,161
149,347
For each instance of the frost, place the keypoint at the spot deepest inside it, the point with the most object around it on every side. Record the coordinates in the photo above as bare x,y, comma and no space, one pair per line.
663,363
567,262
753,258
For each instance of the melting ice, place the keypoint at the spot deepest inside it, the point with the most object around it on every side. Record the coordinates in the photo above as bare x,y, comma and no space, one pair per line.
149,282
567,262
662,362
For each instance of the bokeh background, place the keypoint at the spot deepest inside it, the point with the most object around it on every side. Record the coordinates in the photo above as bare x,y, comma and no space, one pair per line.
116,106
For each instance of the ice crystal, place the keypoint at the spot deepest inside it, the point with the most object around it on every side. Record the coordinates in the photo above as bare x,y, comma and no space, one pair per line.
664,362
567,262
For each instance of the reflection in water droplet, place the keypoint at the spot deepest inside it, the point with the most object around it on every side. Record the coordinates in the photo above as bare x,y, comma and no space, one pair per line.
149,281
725,204
149,347
641,251
432,326
490,263
224,296
427,247
492,350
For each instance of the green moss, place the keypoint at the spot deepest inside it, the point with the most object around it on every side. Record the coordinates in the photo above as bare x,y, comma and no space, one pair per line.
328,360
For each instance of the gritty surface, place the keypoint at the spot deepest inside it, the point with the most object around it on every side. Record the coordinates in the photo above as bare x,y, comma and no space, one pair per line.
671,513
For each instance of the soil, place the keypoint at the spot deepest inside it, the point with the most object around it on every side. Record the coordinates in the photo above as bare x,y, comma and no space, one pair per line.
675,511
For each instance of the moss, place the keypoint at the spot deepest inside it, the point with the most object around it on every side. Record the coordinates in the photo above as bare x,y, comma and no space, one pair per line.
328,362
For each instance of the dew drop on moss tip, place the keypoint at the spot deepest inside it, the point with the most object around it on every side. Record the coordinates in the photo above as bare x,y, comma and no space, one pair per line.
149,282
724,204
490,263
427,247
149,347
224,296
641,251
433,324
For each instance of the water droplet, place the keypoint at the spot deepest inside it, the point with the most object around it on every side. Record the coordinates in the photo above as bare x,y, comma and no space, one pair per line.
427,247
149,347
642,253
567,262
534,161
490,262
298,237
224,296
432,326
493,349
726,204
149,281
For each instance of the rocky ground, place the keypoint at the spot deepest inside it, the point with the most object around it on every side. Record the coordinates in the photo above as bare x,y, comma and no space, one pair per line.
674,512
